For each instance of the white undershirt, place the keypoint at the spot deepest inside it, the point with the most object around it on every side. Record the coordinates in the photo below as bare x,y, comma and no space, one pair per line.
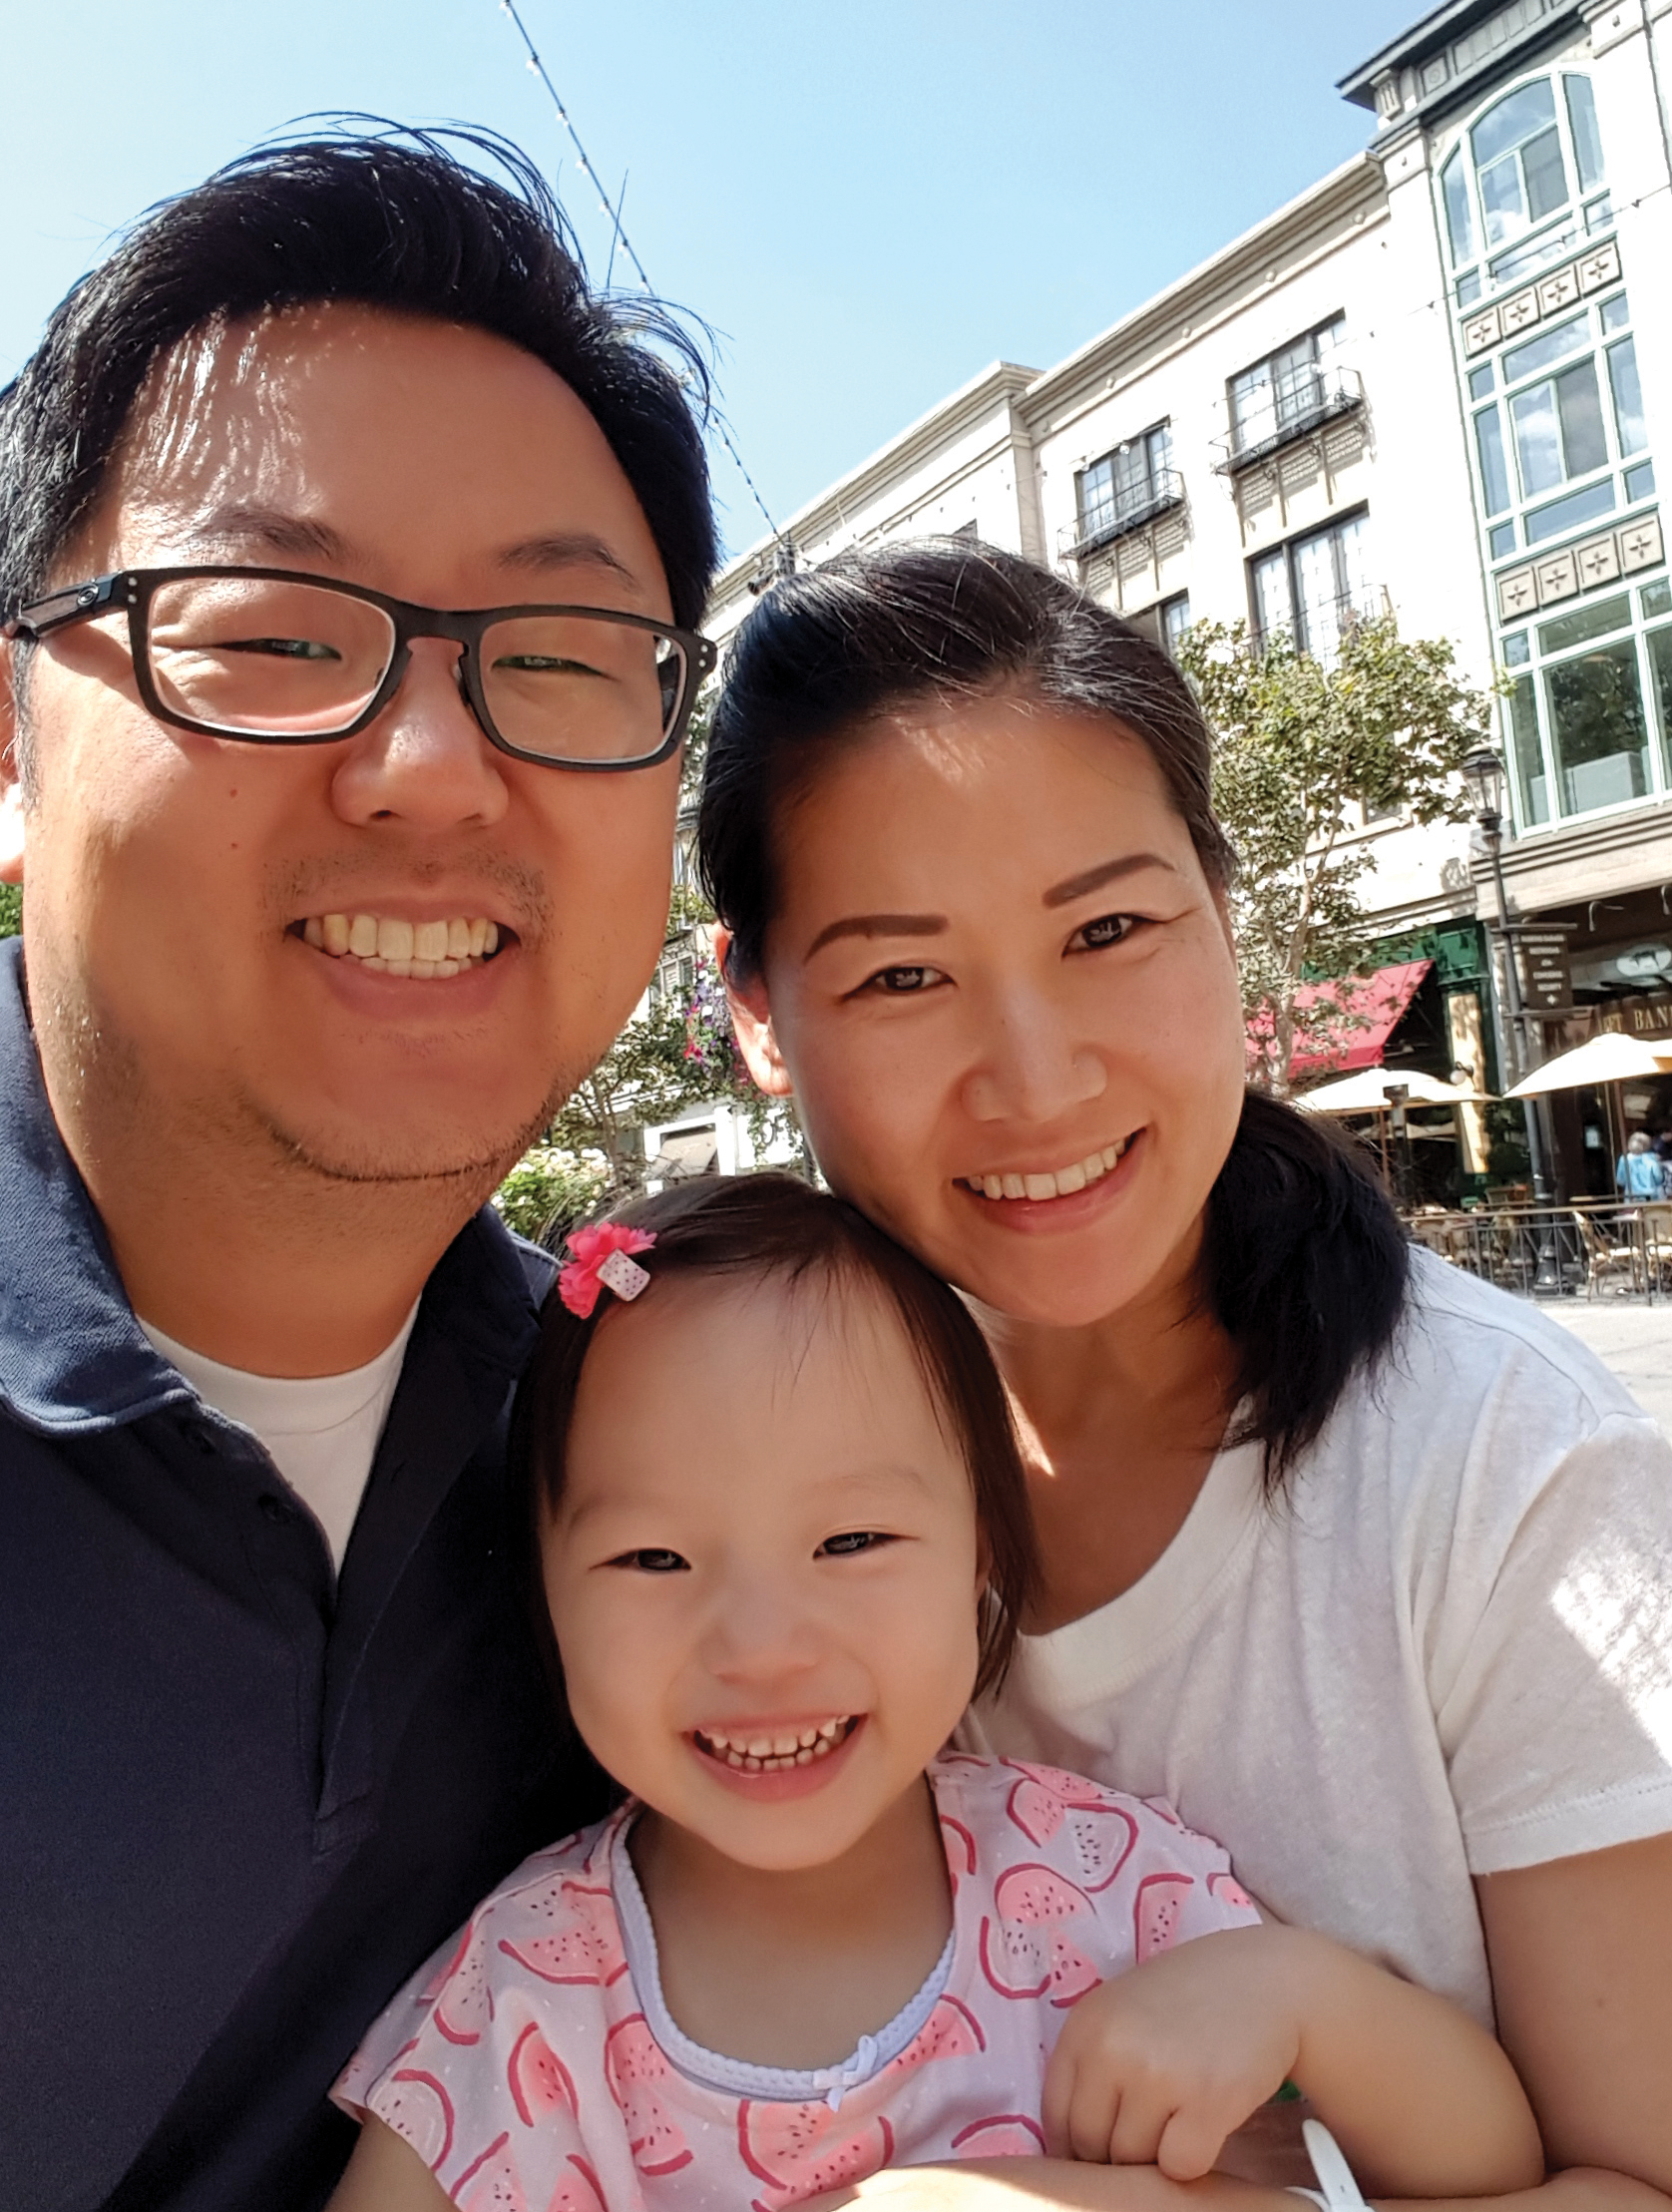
320,1430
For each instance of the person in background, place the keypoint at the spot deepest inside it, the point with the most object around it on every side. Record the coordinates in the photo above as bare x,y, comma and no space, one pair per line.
1640,1172
349,553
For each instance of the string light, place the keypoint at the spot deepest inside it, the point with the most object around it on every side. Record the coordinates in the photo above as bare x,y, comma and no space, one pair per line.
619,239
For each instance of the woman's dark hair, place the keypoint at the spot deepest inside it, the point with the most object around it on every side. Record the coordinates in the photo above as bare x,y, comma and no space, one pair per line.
777,1228
383,218
1304,1261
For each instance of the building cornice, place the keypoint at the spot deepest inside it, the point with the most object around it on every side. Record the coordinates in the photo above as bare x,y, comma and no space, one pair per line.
1000,383
1452,53
1282,246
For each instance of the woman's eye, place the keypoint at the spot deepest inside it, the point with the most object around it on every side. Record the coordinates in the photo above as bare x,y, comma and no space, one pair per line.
651,1558
852,1540
898,981
1108,929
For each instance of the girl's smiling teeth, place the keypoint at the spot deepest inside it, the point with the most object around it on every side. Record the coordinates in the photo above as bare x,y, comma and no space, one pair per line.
771,1752
389,945
1060,1183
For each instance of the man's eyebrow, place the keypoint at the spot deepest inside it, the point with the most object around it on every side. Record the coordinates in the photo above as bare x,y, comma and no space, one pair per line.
268,529
565,549
876,925
1109,871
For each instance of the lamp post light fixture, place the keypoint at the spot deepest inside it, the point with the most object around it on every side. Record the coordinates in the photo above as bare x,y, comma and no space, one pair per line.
1484,773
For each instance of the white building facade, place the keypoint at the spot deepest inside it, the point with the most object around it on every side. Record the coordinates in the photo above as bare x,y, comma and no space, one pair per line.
1439,383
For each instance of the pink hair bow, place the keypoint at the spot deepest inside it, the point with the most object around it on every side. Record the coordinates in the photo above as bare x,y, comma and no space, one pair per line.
600,1262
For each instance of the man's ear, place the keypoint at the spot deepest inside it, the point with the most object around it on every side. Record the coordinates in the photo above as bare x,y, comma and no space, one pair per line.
752,1022
11,785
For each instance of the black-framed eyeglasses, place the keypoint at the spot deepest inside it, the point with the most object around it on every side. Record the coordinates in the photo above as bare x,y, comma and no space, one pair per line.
274,658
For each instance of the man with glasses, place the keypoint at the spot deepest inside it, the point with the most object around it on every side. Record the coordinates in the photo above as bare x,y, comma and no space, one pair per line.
349,557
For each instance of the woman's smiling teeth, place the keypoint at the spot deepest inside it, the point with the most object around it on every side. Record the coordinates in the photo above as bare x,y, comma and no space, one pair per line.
770,1754
1059,1184
430,951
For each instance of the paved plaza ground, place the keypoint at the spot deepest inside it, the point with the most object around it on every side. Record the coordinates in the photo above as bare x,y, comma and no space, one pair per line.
1635,1341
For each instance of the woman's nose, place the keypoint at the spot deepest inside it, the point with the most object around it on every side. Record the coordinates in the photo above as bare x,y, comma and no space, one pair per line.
1033,1066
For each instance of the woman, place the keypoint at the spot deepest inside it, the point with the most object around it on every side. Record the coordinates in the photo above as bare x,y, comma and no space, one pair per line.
1360,1563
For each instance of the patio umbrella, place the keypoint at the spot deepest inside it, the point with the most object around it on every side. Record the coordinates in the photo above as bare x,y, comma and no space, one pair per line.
1610,1057
1365,1092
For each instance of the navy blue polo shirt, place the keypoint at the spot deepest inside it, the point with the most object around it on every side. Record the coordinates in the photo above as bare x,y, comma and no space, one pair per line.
240,1798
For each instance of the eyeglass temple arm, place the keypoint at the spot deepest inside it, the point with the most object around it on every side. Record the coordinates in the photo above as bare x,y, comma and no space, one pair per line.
58,608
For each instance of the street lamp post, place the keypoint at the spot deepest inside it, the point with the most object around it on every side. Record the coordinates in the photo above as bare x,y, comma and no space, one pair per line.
1484,773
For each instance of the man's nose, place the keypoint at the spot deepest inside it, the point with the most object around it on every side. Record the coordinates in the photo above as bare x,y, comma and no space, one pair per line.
1034,1065
425,761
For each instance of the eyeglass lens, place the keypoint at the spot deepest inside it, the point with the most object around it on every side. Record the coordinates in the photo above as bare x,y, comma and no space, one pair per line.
267,657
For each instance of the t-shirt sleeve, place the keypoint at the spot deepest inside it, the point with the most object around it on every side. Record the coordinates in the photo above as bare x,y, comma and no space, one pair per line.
1115,1879
1549,1649
460,2067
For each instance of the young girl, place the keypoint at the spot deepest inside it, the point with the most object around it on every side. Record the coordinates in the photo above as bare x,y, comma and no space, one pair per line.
781,1521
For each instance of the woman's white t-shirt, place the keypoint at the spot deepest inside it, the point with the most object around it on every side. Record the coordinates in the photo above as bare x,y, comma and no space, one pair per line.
1445,1651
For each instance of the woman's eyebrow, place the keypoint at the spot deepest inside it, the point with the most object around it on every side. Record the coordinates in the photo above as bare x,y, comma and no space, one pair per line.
1093,879
876,925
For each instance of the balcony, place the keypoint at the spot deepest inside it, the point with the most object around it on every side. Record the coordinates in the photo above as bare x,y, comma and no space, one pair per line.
1108,519
1295,408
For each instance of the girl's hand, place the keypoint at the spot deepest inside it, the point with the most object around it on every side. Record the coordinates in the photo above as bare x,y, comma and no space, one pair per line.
1160,2066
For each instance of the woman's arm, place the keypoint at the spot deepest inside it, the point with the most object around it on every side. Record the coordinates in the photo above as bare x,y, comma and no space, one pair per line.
388,2175
1581,1960
1164,2062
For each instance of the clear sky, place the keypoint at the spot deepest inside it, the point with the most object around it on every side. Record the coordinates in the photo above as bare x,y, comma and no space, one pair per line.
867,200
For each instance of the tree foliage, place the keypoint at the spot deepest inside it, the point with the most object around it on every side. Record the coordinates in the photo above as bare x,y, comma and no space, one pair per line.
1306,752
11,910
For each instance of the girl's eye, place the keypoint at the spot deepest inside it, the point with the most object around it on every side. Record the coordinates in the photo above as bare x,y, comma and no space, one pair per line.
851,1540
899,982
652,1559
1108,929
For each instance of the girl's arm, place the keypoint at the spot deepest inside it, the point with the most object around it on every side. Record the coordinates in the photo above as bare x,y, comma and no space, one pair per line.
1162,2064
388,2175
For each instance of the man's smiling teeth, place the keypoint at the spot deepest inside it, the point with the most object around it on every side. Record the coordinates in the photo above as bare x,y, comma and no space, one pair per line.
771,1754
390,947
1060,1184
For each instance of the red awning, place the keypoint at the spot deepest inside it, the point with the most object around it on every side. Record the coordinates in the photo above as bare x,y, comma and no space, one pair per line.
1371,1008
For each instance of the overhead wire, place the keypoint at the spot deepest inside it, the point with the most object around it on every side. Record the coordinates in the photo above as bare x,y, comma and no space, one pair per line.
619,239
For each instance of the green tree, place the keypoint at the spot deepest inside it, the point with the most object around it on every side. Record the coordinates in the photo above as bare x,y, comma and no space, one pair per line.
1306,750
11,910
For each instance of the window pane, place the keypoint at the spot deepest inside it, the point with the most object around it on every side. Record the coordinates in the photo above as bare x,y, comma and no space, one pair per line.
1353,536
1660,676
1525,758
1175,621
1460,215
1514,121
1640,481
1516,650
1578,629
1549,347
1615,313
1501,198
1571,513
1494,470
1588,140
1271,594
1160,444
1501,539
1628,398
1537,446
1131,476
1597,728
1250,394
1580,404
1546,176
1657,597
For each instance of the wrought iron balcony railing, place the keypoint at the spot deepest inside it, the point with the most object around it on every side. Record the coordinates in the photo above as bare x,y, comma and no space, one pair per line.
1318,625
1293,409
1107,520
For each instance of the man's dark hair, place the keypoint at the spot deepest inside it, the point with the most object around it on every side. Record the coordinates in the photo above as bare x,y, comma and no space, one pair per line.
1304,1263
382,218
767,1227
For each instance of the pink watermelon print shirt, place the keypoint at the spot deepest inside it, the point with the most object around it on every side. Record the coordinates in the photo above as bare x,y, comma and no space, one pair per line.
535,2068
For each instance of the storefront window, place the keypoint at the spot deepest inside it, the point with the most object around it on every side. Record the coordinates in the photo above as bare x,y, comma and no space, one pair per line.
1597,729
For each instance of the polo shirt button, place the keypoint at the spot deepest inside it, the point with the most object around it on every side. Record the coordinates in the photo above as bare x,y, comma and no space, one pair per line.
275,1508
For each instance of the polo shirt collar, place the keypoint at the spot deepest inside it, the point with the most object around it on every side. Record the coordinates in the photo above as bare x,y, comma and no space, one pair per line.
73,1359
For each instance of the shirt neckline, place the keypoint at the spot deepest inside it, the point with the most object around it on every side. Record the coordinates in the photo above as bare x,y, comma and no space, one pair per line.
286,1405
739,2078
